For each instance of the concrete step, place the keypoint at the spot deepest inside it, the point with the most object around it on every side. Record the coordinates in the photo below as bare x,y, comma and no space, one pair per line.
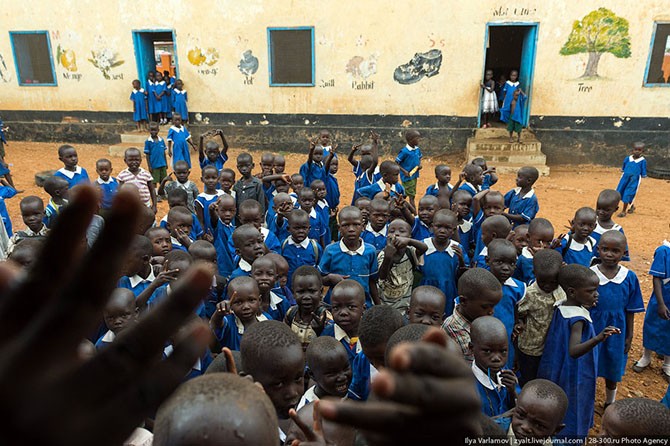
120,149
530,159
500,132
529,145
513,168
140,137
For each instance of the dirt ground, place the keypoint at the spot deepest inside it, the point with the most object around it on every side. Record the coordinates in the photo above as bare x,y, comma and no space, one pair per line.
560,194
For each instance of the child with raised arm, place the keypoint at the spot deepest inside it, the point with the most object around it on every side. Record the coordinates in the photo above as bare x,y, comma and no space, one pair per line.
409,161
489,176
139,99
496,382
570,353
656,330
313,168
179,139
388,183
619,298
140,178
181,172
489,104
634,169
209,153
71,172
222,216
521,202
397,262
332,165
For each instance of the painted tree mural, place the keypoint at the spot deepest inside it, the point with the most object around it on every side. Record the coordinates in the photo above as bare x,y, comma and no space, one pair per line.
599,32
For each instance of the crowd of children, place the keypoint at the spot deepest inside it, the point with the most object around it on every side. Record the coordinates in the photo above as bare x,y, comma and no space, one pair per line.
537,316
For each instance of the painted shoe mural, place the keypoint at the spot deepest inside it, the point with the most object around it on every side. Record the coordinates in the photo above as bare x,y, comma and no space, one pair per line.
422,64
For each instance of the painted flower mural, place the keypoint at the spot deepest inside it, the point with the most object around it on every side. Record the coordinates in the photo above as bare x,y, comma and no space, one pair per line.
104,58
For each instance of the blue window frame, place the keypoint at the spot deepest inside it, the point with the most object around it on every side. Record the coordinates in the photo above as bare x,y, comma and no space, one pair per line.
33,58
291,56
657,72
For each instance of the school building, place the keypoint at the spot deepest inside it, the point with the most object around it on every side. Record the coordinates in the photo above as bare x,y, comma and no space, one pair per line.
271,73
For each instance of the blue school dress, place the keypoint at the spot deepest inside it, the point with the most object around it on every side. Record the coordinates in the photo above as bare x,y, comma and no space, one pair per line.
136,283
374,238
576,376
656,331
599,231
466,235
633,172
203,201
139,97
163,104
495,397
469,188
362,372
196,228
575,252
323,210
243,269
360,265
79,176
7,192
155,150
225,251
271,241
280,230
278,307
164,291
352,348
409,158
372,190
420,230
307,252
524,267
312,171
179,137
508,94
152,102
364,180
230,335
179,99
440,269
479,260
434,189
218,162
108,190
200,366
332,191
513,291
317,226
525,206
617,296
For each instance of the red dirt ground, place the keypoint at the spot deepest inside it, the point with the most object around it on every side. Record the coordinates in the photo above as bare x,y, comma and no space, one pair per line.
560,194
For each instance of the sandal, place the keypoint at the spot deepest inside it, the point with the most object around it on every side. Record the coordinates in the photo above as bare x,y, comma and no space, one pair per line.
621,214
638,368
631,209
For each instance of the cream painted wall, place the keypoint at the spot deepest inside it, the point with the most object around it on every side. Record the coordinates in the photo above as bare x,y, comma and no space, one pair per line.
393,31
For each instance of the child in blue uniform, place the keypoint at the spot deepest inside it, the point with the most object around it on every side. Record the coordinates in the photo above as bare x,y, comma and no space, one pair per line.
250,212
222,215
473,179
497,384
235,315
443,176
179,100
210,154
249,246
138,271
322,208
351,257
489,176
428,205
139,100
57,188
332,192
521,202
317,225
161,97
119,314
71,172
178,197
507,95
152,102
444,260
154,149
107,184
461,201
570,356
409,160
494,227
619,298
210,194
540,236
517,115
634,169
375,231
606,206
329,368
501,260
656,331
264,272
313,169
298,249
347,305
389,176
179,138
578,246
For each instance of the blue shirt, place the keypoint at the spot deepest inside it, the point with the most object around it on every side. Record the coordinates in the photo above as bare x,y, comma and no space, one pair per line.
79,176
524,267
108,190
312,171
420,230
513,291
279,230
307,252
335,331
581,253
434,189
203,201
379,186
409,158
466,235
225,252
156,152
7,192
323,210
360,265
634,167
374,238
440,269
359,389
469,188
230,335
136,283
317,227
271,241
279,305
525,206
218,162
332,191
162,292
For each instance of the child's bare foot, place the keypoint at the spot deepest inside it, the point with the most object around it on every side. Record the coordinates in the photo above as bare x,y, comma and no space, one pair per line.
632,209
518,139
621,214
511,139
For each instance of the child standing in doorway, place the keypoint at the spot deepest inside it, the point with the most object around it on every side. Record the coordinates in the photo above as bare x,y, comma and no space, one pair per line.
513,106
489,98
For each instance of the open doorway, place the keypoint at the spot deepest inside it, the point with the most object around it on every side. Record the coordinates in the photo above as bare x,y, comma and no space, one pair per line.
510,46
155,50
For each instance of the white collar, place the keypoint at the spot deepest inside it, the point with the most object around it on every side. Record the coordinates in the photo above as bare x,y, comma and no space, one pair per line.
109,336
264,232
208,197
359,251
375,233
484,252
588,245
471,186
152,140
530,193
600,230
179,91
322,204
513,84
101,181
244,265
525,252
159,83
43,231
431,247
636,160
411,149
618,278
303,244
177,129
136,279
141,90
570,311
511,282
312,213
183,185
70,174
341,334
465,226
484,379
449,186
666,243
274,300
240,326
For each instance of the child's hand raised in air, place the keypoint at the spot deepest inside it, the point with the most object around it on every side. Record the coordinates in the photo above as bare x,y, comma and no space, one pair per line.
425,384
166,277
314,436
223,309
374,136
555,243
607,332
208,236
